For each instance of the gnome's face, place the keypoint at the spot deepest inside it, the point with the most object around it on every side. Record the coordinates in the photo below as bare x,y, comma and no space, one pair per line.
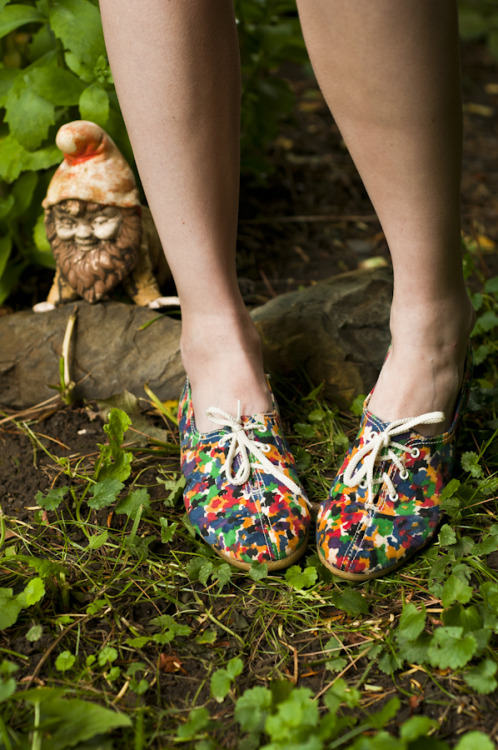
95,246
88,228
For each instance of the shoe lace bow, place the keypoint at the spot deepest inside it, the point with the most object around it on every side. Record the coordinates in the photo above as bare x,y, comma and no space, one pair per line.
243,445
361,467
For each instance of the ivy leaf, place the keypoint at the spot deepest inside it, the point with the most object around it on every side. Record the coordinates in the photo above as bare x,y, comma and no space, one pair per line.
258,571
198,720
301,579
167,530
411,623
64,661
104,493
475,741
456,590
351,601
131,505
447,536
9,608
252,708
482,678
450,648
417,726
17,15
52,499
220,685
34,591
94,105
235,667
98,540
470,463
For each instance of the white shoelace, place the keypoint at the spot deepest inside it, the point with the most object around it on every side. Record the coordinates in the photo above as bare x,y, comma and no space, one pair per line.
243,445
360,469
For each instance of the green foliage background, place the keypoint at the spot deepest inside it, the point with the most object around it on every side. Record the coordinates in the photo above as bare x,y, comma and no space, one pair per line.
54,69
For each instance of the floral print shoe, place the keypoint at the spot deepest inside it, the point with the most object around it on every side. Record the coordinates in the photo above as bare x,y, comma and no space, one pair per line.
242,493
385,503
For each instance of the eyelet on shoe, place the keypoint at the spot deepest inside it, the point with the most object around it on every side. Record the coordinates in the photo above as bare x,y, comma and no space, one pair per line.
404,474
363,484
415,452
394,497
265,448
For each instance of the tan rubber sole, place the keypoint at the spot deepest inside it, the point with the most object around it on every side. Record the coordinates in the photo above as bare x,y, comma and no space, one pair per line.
272,564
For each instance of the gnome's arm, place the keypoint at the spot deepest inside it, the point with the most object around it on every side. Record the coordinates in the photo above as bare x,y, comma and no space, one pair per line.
60,292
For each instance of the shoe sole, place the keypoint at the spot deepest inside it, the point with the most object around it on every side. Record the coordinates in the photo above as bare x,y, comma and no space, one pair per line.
272,564
385,571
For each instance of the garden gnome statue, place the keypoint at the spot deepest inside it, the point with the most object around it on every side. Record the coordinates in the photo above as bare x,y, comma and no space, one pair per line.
99,233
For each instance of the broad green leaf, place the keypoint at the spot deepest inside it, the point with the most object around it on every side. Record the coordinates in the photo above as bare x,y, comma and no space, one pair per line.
68,19
482,678
7,78
64,661
14,158
104,493
34,633
14,16
301,579
450,648
6,205
40,238
5,250
98,540
447,536
131,505
33,593
107,655
167,530
417,726
75,721
475,741
22,191
234,667
220,684
9,608
29,116
51,499
94,105
55,84
351,601
258,571
386,713
197,721
7,688
411,623
456,590
470,463
252,708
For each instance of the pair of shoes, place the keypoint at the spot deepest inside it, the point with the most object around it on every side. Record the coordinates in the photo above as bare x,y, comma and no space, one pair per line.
385,504
242,492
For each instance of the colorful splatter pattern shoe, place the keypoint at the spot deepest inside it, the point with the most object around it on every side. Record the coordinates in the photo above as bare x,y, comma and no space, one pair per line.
242,493
385,503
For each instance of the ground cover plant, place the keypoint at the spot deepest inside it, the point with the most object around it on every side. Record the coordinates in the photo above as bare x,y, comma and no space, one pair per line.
118,628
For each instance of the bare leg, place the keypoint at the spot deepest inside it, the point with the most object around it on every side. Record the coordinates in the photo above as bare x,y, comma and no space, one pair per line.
176,69
389,71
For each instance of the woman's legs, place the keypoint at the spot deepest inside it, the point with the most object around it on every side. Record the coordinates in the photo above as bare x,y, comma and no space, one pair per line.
176,68
389,71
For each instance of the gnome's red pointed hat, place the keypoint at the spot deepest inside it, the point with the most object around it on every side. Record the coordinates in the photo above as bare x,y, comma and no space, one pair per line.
93,168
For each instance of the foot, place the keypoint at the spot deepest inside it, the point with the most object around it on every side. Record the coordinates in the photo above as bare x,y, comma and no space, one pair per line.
222,357
424,370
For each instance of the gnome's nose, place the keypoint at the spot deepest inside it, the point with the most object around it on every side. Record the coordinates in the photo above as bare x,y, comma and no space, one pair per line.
84,233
